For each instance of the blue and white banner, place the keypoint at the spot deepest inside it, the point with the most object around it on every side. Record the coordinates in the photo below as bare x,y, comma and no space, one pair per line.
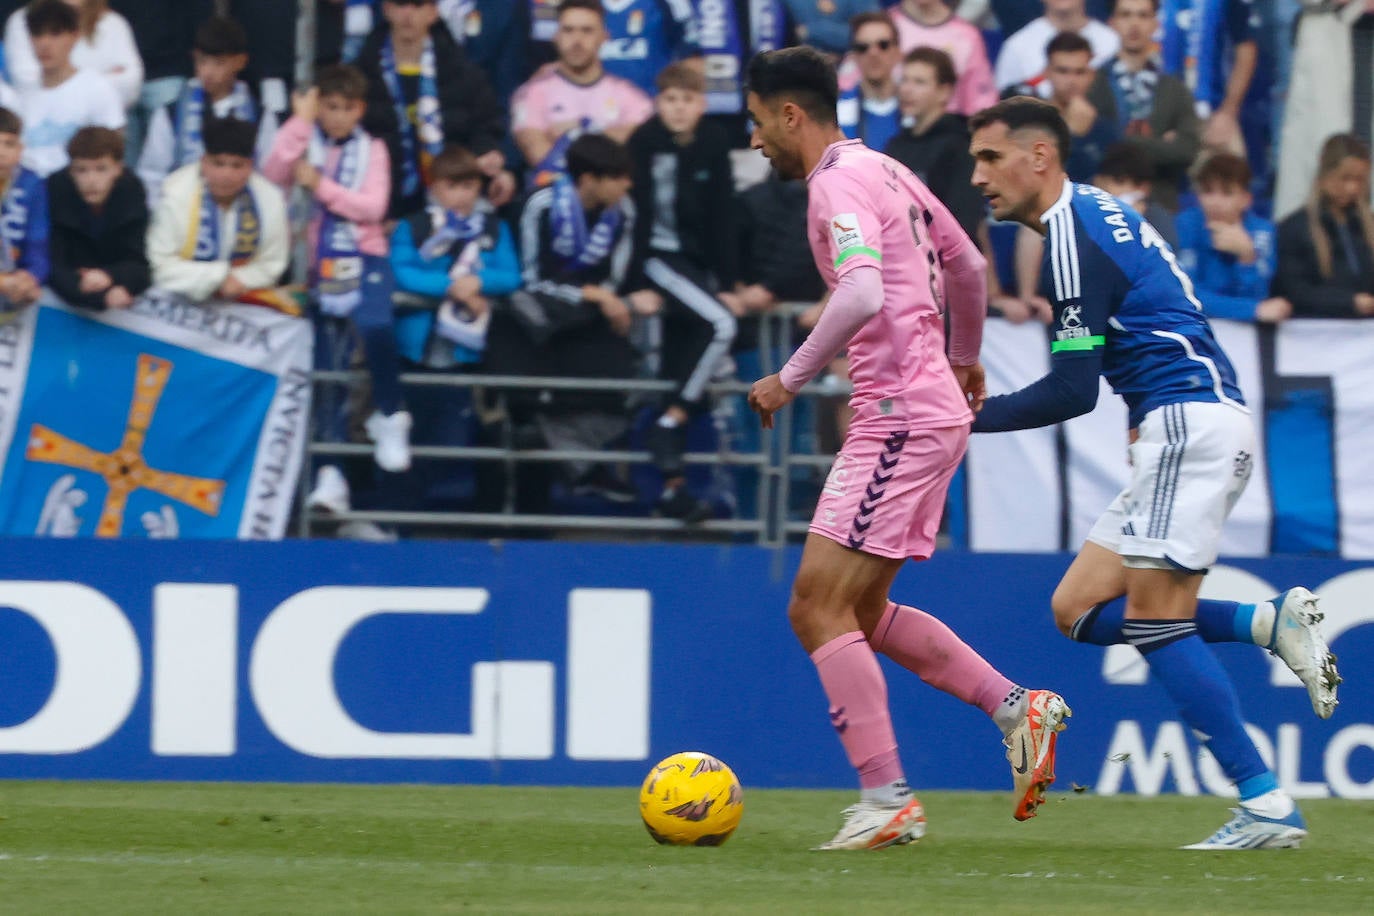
170,419
582,664
1310,387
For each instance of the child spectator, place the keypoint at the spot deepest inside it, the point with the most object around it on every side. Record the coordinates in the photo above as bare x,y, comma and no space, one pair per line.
934,142
174,135
682,194
573,96
1127,172
424,94
1326,249
23,220
105,45
322,149
99,214
220,230
458,251
569,320
65,99
1226,249
870,110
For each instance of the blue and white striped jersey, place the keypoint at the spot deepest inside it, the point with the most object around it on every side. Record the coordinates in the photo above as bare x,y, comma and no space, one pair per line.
1123,308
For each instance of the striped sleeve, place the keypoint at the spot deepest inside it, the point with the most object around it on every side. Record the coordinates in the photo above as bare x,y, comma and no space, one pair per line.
1081,310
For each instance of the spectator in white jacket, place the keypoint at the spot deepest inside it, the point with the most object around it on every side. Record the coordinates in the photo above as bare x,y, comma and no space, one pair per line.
106,46
220,230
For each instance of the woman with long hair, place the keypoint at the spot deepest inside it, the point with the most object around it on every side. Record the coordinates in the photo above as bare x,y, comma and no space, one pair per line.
106,45
1326,248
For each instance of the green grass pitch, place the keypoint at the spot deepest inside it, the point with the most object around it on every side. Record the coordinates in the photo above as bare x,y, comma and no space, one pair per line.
230,848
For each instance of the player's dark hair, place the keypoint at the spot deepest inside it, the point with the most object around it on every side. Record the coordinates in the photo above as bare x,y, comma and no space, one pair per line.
1222,170
876,17
342,80
229,137
801,75
1111,7
599,156
96,143
591,6
942,63
220,36
1127,162
11,123
1025,113
1068,43
455,164
51,17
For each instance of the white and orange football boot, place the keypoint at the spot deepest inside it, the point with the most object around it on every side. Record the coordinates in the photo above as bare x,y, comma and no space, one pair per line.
869,825
1030,749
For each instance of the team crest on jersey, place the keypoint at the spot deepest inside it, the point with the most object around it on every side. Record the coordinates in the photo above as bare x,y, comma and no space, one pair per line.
1071,324
844,228
635,24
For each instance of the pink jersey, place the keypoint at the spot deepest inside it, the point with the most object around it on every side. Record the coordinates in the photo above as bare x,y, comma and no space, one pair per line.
962,41
551,100
866,209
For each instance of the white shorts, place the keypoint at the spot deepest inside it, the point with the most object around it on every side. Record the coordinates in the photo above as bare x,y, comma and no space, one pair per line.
1189,465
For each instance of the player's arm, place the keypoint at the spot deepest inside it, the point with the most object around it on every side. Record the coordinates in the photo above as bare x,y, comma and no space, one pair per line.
965,272
1079,341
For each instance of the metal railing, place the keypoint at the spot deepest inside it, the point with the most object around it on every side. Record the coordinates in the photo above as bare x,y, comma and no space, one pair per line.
774,461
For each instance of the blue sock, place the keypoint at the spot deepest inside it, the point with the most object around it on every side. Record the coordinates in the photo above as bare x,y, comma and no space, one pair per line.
1204,696
1217,621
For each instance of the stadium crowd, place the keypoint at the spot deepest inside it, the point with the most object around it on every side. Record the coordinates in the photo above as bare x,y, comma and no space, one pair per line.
564,189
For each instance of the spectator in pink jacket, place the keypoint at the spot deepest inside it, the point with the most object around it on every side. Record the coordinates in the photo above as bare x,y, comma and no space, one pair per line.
932,24
323,150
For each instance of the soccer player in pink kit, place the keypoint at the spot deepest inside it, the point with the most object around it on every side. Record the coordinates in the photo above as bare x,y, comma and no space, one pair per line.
892,256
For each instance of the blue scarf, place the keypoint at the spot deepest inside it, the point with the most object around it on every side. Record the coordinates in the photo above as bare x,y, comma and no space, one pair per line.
339,261
203,244
416,152
568,221
14,224
448,229
555,161
190,119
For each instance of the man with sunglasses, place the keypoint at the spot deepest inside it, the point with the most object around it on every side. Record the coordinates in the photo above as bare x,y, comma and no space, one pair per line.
870,111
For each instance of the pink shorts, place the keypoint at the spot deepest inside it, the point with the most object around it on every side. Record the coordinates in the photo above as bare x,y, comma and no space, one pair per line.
886,491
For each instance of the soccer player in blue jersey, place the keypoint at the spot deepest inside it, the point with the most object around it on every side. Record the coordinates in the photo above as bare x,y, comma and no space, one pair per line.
1124,309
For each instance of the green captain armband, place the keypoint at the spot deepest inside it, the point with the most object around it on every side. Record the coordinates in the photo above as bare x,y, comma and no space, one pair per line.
1078,343
851,252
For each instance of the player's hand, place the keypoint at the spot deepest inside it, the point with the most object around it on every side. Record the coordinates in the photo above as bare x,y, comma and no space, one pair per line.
767,397
973,383
1273,311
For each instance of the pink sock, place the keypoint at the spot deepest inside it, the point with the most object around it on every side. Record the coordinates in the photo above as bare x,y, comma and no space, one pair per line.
854,684
920,643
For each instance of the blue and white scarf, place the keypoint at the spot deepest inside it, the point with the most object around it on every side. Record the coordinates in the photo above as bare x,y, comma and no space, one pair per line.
723,47
203,241
14,225
568,222
1135,91
448,229
555,161
461,17
190,119
416,153
359,17
338,259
